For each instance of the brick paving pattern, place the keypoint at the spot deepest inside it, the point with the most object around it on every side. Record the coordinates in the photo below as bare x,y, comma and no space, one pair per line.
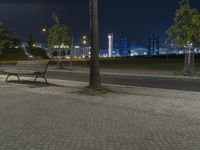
58,118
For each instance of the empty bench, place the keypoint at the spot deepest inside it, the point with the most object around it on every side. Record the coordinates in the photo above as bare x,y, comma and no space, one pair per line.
36,68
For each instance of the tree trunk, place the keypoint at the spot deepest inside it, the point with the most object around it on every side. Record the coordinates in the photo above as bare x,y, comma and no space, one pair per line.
189,67
95,81
59,64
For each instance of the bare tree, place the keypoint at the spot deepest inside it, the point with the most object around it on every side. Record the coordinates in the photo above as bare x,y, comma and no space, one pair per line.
95,81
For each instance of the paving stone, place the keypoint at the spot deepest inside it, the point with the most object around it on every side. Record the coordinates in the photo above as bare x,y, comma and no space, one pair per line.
59,118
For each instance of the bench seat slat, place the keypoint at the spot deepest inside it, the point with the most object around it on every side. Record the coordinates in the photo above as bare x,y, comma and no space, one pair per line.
22,72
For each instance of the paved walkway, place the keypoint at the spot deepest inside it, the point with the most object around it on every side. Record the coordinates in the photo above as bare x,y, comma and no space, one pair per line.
119,71
40,117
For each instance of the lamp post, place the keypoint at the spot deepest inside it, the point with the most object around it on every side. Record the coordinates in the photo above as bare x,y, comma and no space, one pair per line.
84,44
45,30
72,48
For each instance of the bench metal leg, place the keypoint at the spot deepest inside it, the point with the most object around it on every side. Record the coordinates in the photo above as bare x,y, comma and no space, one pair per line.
13,75
40,76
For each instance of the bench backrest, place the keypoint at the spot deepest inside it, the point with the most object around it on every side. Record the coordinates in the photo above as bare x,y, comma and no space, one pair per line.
38,66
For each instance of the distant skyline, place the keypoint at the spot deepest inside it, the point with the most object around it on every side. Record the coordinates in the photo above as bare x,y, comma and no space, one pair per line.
136,19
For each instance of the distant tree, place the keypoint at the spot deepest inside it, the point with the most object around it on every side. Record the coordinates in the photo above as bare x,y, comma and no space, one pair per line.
95,81
30,42
56,18
6,40
59,35
184,2
16,42
185,32
38,52
55,53
33,50
13,54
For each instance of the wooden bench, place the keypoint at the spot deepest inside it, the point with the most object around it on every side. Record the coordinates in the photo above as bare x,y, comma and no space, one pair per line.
36,68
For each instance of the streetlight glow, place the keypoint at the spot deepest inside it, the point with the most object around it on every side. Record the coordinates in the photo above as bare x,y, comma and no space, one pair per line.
44,30
34,45
84,37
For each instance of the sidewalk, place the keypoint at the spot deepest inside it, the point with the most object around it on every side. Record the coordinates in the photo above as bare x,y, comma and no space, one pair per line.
125,72
132,72
60,117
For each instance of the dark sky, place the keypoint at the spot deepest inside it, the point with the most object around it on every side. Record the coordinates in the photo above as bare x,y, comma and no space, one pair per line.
136,19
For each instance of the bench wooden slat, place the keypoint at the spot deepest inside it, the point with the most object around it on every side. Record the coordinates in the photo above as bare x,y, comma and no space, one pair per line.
39,66
21,72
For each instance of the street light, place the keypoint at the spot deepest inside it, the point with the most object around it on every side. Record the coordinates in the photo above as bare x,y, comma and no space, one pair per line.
85,49
84,44
44,30
72,48
34,45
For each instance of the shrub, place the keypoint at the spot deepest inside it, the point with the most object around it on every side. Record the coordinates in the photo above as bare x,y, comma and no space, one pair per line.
13,54
38,52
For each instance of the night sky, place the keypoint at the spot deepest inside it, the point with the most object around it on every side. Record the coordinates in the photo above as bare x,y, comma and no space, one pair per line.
136,19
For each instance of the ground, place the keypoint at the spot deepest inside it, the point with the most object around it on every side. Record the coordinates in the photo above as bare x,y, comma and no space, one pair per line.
52,117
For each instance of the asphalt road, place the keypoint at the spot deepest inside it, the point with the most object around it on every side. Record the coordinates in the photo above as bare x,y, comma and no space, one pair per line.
152,82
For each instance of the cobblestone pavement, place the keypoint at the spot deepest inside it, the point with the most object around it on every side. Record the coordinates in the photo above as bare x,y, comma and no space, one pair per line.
130,118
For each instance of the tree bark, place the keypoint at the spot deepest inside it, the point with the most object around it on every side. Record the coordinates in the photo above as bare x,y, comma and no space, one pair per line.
95,81
189,67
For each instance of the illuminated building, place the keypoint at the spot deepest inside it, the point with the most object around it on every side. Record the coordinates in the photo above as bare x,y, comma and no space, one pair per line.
123,46
110,44
153,45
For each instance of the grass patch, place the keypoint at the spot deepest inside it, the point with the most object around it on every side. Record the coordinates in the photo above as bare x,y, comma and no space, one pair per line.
174,63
